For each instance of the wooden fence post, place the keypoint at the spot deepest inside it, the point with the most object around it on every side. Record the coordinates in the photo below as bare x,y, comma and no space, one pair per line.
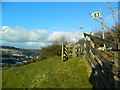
64,52
118,53
84,44
87,58
80,50
117,59
70,52
77,50
93,45
74,51
91,42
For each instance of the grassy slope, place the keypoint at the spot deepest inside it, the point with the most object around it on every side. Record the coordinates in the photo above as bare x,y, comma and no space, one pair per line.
50,73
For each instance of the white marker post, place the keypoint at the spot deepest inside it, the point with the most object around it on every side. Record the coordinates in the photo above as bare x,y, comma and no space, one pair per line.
96,15
103,34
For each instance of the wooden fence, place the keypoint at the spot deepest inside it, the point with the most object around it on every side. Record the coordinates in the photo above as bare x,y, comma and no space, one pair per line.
71,51
107,71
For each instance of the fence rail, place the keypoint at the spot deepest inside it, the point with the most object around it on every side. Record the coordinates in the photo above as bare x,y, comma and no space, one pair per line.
102,41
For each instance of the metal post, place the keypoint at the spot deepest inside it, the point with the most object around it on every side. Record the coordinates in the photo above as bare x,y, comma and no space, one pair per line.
103,34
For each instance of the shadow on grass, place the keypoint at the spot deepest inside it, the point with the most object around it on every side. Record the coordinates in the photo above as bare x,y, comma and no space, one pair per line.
100,79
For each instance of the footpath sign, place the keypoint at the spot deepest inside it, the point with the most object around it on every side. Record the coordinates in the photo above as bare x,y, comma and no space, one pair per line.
96,15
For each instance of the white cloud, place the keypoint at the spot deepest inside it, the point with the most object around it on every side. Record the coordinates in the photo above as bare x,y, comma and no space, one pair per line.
34,39
36,44
69,36
19,34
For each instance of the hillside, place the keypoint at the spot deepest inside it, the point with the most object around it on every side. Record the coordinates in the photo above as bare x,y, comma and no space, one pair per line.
49,73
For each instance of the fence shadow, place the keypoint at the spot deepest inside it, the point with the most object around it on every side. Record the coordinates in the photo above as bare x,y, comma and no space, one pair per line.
100,79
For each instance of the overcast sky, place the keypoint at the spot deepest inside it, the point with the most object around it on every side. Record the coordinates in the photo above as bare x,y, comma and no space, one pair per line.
36,24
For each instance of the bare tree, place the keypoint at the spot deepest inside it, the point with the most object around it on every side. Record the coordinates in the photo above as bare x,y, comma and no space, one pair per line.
103,24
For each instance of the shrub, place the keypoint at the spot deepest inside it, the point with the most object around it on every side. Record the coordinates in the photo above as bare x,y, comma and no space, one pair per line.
50,51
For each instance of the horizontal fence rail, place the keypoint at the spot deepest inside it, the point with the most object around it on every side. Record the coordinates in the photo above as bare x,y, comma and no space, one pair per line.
104,60
102,41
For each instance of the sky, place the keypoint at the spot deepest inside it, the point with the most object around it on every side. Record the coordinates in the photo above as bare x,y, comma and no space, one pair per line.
33,25
58,0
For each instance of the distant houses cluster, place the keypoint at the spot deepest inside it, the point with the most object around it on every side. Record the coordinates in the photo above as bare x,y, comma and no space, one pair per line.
11,54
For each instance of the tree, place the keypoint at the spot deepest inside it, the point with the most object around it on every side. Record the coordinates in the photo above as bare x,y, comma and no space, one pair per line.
103,24
53,50
50,51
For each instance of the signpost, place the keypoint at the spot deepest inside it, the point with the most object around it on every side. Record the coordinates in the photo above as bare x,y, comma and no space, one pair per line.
96,15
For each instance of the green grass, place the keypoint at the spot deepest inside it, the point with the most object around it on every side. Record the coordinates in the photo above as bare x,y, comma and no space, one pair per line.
49,73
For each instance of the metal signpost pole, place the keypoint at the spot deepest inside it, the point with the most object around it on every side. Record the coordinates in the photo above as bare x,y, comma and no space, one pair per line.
96,15
103,34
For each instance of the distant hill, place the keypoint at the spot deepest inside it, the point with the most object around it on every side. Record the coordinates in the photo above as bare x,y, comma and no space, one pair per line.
12,54
49,73
9,47
20,49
